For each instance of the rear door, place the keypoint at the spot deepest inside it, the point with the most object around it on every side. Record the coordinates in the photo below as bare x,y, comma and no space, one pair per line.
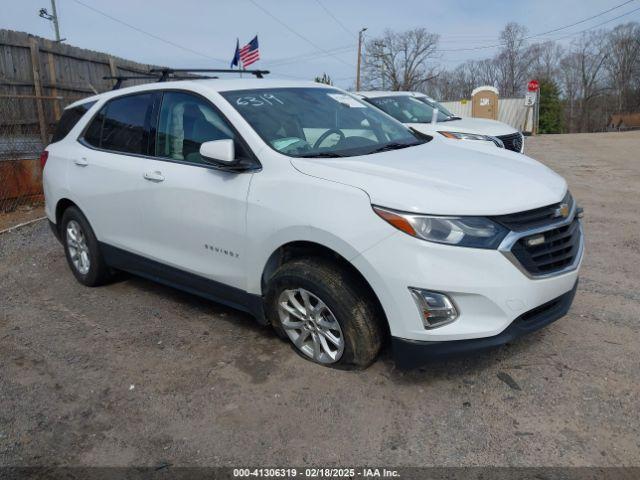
105,169
194,215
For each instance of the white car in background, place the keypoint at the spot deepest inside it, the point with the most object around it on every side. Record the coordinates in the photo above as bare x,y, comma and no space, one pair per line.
416,110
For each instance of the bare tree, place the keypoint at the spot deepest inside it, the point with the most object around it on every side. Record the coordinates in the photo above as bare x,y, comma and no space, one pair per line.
598,74
512,63
545,60
400,61
623,64
459,83
583,67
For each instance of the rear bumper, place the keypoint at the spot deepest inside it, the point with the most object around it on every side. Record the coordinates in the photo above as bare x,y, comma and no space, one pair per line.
412,353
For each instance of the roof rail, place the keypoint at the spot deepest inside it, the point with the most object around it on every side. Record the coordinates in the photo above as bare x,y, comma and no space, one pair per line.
121,78
166,72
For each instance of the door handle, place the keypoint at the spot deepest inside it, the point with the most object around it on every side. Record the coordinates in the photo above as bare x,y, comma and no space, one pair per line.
154,176
81,162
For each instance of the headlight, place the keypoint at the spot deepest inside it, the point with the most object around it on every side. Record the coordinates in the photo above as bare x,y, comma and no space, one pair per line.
473,136
476,232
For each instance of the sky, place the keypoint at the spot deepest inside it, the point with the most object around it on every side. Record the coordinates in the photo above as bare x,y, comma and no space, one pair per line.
299,39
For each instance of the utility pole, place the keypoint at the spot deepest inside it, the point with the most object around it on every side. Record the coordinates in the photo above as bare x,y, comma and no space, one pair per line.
52,17
359,57
56,26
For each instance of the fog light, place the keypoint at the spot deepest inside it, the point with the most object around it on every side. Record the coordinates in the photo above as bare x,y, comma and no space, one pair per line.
435,308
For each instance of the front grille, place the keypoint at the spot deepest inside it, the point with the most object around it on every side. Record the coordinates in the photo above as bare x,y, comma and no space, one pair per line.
512,141
535,218
558,251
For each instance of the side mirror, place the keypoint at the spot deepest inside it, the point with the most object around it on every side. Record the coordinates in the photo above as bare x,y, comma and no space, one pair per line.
218,151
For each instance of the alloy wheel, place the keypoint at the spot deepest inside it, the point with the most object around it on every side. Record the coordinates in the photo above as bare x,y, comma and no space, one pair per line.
311,325
78,248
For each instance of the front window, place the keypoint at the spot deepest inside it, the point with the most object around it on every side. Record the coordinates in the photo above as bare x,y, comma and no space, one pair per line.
186,122
318,122
409,109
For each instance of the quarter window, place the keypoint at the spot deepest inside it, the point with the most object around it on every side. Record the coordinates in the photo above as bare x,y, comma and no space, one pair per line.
123,125
69,118
186,121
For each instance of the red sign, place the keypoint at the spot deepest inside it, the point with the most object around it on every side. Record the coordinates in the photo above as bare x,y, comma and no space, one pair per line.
533,85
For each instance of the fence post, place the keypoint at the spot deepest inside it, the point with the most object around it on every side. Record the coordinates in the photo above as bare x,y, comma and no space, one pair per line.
113,67
54,90
35,67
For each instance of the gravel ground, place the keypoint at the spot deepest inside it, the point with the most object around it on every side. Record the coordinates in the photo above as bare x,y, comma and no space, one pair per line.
138,374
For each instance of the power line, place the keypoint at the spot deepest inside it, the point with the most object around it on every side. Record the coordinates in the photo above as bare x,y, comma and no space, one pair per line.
547,32
598,25
314,45
587,19
149,34
328,12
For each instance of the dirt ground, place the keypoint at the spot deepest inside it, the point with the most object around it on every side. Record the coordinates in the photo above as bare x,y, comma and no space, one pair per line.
138,374
24,213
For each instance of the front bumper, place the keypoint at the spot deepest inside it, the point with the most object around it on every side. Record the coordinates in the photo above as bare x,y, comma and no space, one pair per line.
488,291
412,353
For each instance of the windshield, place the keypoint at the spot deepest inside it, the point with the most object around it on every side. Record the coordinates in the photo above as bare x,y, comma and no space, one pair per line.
438,105
318,122
409,109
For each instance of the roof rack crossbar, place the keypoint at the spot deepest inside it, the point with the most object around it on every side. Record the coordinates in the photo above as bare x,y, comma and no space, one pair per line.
165,72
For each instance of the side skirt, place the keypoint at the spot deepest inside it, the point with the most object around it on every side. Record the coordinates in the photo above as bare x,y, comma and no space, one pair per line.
185,281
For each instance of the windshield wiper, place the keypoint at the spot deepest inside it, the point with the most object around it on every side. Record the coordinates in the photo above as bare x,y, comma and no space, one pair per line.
393,146
452,117
322,155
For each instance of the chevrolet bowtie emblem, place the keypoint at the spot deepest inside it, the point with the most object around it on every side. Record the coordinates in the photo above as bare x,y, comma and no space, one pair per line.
561,211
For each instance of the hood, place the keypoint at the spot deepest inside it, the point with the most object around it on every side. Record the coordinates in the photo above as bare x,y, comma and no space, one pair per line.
482,126
442,179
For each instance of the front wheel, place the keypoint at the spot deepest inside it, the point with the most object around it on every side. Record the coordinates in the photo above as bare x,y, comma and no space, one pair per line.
325,313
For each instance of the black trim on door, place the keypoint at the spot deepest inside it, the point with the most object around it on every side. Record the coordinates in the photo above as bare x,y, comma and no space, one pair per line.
186,281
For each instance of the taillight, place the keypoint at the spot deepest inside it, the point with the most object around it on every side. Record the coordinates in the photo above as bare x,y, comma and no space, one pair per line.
43,158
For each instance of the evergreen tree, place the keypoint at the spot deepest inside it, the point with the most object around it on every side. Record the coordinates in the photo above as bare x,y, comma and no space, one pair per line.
326,79
550,107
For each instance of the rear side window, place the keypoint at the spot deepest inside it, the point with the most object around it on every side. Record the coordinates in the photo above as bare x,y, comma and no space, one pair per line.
69,118
123,125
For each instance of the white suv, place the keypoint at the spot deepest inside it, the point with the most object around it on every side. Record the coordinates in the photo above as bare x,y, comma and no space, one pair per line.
427,116
315,212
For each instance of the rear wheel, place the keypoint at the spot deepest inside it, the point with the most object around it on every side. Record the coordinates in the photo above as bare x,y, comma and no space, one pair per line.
325,313
82,250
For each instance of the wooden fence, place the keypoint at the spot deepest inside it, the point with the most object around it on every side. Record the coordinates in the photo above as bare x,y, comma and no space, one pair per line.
38,78
43,76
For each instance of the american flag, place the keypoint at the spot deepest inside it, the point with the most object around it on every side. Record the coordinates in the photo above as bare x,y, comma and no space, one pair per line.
250,52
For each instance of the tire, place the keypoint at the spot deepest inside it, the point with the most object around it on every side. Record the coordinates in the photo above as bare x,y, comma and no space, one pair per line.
347,303
85,259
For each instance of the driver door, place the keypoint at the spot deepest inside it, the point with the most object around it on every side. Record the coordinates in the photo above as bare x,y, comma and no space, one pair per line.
196,213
